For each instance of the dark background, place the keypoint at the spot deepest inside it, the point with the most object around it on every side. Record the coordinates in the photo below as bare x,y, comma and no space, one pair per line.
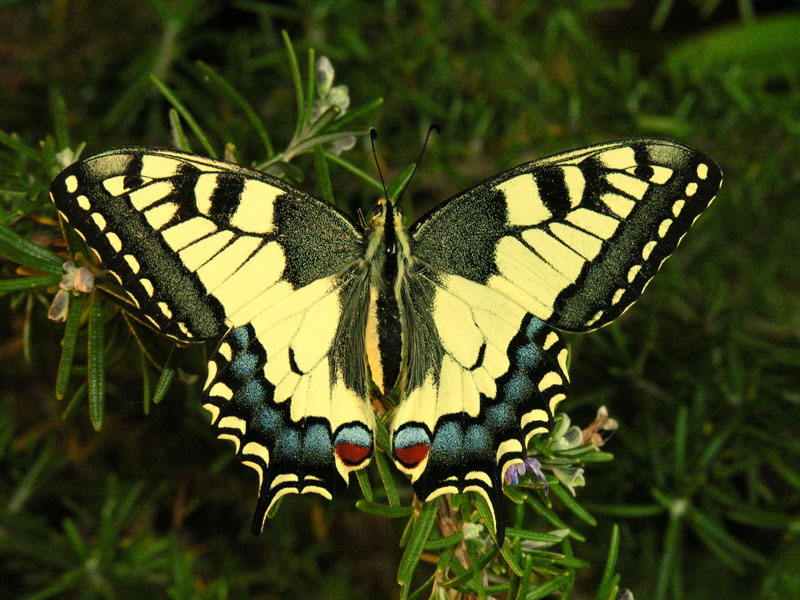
701,374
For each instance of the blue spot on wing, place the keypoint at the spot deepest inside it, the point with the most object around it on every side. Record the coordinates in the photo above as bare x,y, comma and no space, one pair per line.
448,444
535,327
254,392
244,365
250,397
411,436
528,357
268,421
519,388
241,336
288,447
501,416
317,448
354,434
477,441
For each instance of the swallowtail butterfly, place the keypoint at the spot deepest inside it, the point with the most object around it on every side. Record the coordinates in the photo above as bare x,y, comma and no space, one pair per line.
459,314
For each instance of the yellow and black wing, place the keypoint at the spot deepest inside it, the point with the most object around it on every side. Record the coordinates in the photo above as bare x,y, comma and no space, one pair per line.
205,247
564,243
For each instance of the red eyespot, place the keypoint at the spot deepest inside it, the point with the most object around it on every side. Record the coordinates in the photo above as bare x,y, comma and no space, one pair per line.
411,456
351,454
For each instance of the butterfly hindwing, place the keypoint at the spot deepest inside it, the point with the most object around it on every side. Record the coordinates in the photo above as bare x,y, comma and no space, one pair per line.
276,391
574,238
495,381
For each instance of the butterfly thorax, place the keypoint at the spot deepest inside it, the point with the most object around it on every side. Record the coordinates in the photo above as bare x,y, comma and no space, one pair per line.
386,259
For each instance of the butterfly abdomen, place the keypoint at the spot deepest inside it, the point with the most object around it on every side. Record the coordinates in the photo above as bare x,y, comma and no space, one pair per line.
384,336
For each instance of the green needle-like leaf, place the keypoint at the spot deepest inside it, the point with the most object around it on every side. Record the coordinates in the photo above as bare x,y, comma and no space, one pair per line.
23,252
536,536
311,81
28,283
421,589
671,544
416,542
356,114
74,537
387,478
325,138
165,379
606,582
566,593
715,530
382,436
562,494
446,542
146,397
476,567
229,91
17,145
483,510
679,452
552,518
184,112
323,177
294,68
178,136
547,588
477,576
354,170
381,510
76,399
68,347
628,511
525,580
59,109
96,376
365,485
399,182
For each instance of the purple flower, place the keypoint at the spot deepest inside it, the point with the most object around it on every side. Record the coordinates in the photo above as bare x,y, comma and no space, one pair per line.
514,472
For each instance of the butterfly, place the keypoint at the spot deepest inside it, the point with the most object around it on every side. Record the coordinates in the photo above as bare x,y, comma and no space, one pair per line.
458,317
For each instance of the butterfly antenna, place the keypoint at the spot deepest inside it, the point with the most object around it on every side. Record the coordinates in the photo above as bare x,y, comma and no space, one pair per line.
373,135
433,126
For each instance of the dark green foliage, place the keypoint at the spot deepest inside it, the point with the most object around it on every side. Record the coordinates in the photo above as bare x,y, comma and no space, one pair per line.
702,499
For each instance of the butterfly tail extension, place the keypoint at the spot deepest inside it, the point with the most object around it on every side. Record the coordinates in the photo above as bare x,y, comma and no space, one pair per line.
290,457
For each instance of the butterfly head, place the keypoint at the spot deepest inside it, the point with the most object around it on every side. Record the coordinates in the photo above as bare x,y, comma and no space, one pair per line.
381,212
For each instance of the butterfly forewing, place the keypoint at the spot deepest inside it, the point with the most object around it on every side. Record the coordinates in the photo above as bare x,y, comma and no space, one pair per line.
574,238
199,244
